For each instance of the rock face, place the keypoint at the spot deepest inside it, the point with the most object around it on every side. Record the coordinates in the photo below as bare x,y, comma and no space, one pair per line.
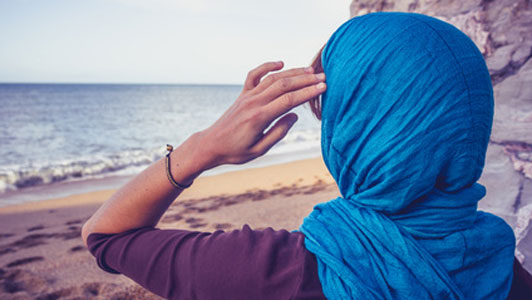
502,30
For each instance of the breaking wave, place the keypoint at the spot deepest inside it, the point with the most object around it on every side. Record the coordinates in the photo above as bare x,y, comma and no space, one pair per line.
16,177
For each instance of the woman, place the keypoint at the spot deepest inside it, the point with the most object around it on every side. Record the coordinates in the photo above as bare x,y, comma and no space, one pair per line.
406,121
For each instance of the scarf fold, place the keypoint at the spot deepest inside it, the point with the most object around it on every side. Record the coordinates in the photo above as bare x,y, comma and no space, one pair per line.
406,121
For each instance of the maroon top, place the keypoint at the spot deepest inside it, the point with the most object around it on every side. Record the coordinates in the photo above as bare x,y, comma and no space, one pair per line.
522,283
241,264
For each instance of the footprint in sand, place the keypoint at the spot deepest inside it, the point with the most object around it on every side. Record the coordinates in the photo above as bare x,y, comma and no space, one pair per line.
17,280
223,226
5,235
91,288
131,292
260,195
275,192
72,222
7,250
12,287
37,239
73,233
24,261
77,248
172,218
30,240
197,225
195,222
56,295
37,227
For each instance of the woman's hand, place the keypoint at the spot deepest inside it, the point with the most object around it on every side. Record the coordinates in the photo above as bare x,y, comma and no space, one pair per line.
238,135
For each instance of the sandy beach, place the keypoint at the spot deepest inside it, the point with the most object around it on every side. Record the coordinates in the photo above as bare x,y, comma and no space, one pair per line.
43,257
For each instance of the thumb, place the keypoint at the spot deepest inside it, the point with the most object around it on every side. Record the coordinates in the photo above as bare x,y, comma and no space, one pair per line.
276,133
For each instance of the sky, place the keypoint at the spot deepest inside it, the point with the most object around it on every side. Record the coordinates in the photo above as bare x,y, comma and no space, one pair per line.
159,41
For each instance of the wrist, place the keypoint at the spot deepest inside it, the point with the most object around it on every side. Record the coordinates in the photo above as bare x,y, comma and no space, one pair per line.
190,159
204,154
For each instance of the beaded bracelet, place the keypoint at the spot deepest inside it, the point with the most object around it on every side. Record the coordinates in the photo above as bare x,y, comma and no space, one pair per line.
170,148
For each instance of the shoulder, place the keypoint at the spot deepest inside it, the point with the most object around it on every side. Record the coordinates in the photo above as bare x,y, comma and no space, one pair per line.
267,264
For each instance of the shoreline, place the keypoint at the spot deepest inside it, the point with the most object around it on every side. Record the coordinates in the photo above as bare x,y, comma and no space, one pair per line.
112,182
257,177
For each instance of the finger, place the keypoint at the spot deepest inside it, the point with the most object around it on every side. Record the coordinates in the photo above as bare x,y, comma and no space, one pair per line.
254,76
276,133
289,84
272,78
290,100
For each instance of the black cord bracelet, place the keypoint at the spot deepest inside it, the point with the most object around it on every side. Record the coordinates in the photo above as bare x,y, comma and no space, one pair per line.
176,184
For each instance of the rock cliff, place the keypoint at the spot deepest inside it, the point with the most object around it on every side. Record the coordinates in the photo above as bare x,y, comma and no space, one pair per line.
502,30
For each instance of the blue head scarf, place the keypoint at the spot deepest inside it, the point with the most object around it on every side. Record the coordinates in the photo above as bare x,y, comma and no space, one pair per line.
406,121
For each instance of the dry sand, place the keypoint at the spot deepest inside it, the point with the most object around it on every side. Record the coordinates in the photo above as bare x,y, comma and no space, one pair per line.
42,255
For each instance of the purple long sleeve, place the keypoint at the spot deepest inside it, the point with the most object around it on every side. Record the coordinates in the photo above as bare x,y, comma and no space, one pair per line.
241,264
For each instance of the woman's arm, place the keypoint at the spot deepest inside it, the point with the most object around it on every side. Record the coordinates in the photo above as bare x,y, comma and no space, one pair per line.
236,137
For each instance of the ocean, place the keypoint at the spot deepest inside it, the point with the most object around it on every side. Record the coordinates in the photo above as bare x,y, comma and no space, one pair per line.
60,139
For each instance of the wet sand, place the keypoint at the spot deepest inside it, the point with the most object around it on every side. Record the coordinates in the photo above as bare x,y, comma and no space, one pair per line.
43,257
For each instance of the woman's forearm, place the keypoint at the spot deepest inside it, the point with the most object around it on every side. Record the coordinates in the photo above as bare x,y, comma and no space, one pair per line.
143,200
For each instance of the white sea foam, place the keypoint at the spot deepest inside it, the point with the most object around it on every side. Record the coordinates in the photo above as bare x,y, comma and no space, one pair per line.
17,177
13,177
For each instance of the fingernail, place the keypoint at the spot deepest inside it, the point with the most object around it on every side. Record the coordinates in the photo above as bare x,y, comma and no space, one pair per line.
320,76
321,86
293,119
309,69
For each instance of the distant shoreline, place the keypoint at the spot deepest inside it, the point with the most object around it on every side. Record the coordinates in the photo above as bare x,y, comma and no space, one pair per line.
261,175
74,187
